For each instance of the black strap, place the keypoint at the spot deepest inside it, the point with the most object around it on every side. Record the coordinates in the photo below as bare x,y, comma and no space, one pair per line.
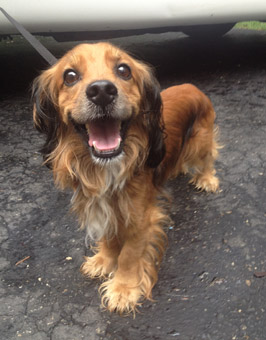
47,55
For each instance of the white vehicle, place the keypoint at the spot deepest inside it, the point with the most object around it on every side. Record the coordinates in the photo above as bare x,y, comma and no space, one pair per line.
87,19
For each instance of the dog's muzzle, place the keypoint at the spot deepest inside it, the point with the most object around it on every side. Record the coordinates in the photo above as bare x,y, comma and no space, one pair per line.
105,132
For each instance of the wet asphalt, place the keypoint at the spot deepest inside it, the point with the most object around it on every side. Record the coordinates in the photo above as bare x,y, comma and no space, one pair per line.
212,282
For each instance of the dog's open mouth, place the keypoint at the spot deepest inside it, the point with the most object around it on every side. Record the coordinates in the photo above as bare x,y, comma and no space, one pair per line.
105,136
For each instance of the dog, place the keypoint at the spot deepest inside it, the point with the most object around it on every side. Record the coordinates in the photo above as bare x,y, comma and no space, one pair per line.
115,139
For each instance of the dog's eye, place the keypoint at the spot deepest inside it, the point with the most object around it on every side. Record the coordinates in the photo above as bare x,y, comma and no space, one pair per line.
124,71
71,77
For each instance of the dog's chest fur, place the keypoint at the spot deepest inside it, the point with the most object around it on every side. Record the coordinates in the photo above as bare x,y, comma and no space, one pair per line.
99,212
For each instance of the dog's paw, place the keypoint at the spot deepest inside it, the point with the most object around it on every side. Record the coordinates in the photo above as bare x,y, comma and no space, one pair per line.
120,298
98,266
207,182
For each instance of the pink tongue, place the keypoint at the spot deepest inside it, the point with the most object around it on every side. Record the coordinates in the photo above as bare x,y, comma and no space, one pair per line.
104,134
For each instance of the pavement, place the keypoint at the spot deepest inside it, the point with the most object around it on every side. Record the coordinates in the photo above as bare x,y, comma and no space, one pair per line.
211,283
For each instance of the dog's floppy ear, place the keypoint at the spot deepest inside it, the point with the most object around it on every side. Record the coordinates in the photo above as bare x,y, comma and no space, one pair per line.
45,112
152,108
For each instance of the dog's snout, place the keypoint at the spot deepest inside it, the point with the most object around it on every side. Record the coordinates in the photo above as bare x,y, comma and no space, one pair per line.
101,92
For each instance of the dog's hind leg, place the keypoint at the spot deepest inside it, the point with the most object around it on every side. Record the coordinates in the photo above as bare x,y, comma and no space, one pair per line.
190,136
200,155
204,177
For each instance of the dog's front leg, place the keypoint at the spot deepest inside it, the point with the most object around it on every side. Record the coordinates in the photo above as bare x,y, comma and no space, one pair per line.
137,266
104,262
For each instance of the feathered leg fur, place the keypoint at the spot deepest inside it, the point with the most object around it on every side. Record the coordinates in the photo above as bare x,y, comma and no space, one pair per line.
129,261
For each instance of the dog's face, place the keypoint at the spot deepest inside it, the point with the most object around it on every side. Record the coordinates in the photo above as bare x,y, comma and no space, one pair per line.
100,94
100,90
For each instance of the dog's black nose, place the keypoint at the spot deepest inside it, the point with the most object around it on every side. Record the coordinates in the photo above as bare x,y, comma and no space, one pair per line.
101,92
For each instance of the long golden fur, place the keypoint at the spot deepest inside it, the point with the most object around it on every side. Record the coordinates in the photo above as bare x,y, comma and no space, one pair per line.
114,139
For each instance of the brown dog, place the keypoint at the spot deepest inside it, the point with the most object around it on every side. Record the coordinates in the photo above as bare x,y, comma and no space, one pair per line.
114,139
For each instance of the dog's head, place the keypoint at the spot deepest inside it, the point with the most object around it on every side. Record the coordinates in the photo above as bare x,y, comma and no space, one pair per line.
98,91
